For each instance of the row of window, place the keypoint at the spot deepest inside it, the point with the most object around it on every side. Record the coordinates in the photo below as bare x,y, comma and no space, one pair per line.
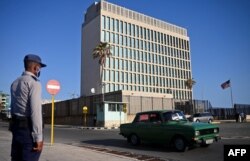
179,94
130,64
142,79
127,52
118,10
151,69
132,30
138,44
115,107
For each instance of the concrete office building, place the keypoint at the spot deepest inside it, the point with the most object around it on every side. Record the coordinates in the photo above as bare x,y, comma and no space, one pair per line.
150,57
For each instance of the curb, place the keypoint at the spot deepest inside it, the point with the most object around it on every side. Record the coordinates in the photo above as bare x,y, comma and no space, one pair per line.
216,122
97,128
86,128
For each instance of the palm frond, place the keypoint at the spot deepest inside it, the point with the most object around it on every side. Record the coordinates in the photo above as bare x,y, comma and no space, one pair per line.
102,51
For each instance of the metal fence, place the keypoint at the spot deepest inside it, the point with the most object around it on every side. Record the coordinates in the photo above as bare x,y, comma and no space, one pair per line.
230,113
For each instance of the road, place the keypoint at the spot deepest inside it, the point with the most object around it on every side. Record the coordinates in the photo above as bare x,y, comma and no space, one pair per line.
232,133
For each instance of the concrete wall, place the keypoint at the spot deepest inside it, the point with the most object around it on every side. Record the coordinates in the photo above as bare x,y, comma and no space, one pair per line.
138,104
90,68
69,112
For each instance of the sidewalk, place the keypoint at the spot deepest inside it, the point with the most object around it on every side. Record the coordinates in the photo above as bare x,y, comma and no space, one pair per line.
60,152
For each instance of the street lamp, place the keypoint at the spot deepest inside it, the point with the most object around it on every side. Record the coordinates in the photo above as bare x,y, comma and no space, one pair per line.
84,111
92,90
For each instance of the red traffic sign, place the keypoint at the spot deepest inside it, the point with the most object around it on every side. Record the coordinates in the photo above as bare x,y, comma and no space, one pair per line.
53,87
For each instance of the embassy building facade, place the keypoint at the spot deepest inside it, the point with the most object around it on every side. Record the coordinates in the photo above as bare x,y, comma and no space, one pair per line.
150,57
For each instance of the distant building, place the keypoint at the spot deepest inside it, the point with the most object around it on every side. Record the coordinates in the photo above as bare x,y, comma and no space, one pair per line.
4,101
149,56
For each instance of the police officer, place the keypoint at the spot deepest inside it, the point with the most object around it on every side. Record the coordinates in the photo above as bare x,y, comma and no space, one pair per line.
26,111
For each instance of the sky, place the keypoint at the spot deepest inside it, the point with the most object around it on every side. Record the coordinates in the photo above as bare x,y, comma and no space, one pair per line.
219,32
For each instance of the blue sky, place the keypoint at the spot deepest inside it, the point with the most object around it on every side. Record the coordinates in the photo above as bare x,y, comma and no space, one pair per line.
219,32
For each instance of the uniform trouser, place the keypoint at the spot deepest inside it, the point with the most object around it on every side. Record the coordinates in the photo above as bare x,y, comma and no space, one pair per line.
22,145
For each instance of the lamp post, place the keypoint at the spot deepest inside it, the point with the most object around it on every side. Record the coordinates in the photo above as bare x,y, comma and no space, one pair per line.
85,111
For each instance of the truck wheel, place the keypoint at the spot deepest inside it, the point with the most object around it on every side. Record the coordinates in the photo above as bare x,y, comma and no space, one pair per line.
197,120
209,121
134,139
180,144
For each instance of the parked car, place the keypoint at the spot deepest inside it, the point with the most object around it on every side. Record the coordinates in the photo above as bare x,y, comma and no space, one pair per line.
169,127
202,117
242,117
5,114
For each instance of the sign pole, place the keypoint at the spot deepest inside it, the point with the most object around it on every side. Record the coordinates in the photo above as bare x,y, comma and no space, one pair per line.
53,87
52,121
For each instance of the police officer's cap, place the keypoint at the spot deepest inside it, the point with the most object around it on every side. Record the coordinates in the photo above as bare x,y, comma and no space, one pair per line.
34,58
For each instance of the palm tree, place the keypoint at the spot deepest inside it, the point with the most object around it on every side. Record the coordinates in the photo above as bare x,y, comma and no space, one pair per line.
190,82
102,51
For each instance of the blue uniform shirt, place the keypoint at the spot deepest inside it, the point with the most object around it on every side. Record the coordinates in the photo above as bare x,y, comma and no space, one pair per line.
26,101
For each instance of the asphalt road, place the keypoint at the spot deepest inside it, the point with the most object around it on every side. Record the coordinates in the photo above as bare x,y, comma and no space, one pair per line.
232,133
110,140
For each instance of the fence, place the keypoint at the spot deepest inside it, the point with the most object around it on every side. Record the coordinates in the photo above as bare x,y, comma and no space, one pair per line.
229,113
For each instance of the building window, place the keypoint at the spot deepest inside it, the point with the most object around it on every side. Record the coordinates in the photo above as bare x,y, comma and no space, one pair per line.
136,30
107,37
112,24
112,37
116,76
103,23
107,23
121,27
120,40
116,64
107,87
112,107
116,25
121,66
129,29
107,76
116,53
126,65
116,39
121,52
112,77
126,78
121,77
103,36
125,27
133,30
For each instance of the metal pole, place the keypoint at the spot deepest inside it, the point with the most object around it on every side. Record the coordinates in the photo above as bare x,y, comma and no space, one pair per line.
231,91
231,94
85,119
52,122
120,115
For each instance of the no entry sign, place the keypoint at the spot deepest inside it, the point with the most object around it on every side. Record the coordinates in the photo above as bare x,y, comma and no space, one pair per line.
53,87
